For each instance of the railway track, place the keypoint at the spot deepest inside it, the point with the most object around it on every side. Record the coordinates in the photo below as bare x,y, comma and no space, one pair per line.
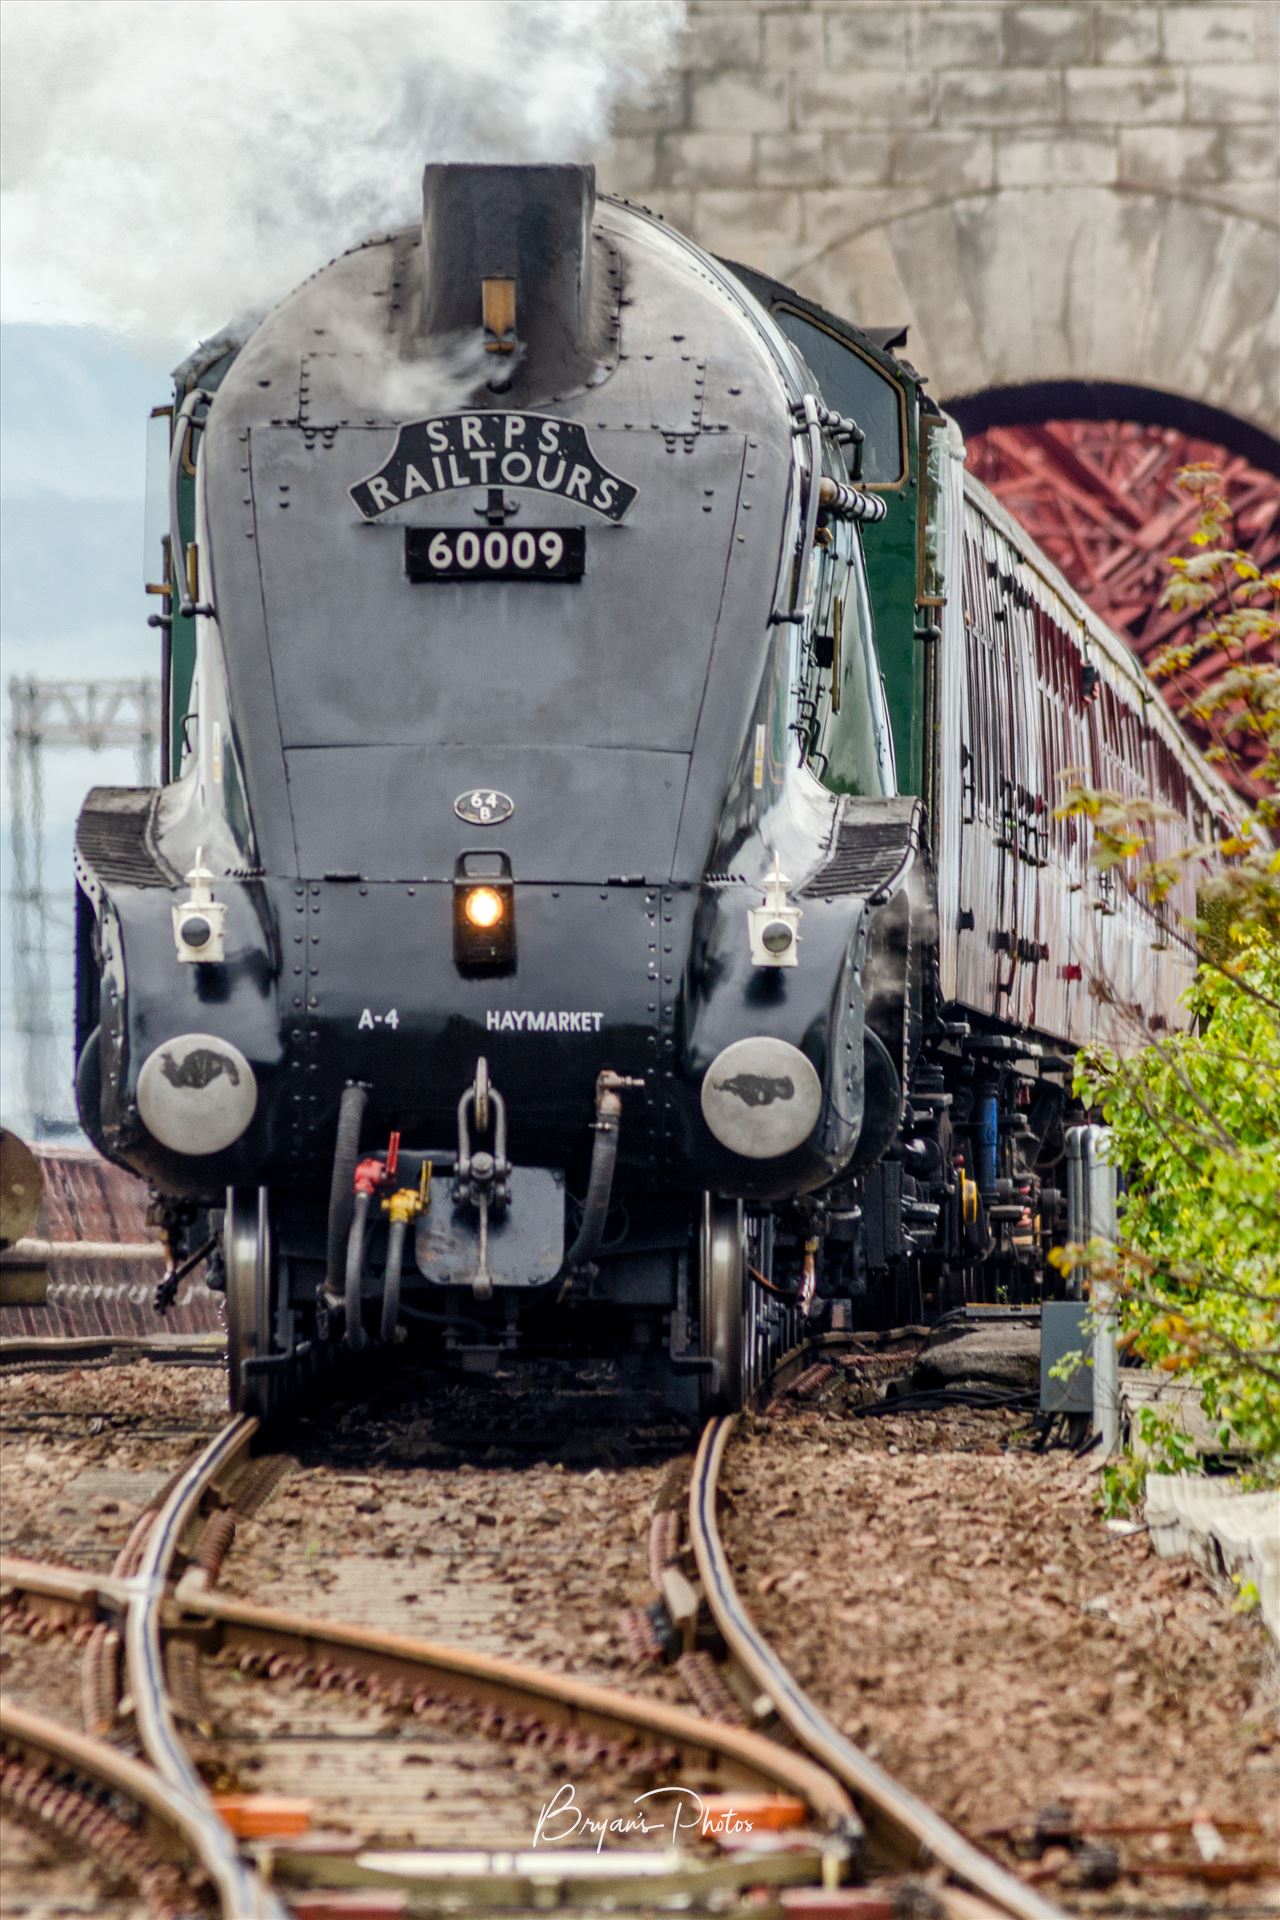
1076,1803
904,1834
170,1604
160,1639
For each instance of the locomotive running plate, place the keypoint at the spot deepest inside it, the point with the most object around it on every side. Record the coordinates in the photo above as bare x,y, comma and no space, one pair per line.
495,553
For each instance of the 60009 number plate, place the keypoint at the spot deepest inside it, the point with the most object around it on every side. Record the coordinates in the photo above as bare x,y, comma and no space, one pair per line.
495,553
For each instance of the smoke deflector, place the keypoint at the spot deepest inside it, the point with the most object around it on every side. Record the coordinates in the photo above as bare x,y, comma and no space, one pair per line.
509,248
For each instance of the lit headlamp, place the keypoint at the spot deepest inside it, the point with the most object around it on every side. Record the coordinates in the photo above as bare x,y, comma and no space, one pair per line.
484,911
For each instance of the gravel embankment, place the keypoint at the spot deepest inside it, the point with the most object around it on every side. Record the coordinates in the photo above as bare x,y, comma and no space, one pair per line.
956,1603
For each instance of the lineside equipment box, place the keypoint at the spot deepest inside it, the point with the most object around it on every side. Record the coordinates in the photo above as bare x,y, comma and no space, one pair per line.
1066,1327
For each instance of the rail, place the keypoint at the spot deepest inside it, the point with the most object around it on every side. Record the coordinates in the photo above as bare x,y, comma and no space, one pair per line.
51,1743
240,1890
160,1601
172,1786
842,1786
903,1828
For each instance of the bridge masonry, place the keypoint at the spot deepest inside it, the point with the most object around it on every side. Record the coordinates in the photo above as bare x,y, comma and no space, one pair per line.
1044,192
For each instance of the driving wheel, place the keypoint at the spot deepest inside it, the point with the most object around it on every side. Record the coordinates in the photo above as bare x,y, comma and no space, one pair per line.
250,1262
721,1305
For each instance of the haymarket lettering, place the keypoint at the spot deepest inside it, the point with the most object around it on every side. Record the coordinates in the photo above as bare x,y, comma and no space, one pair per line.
531,450
507,1020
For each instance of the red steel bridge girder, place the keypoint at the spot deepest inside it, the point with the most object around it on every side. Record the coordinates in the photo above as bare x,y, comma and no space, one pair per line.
1099,498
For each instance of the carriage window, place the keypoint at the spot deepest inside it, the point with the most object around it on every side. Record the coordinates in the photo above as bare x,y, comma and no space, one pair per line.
856,386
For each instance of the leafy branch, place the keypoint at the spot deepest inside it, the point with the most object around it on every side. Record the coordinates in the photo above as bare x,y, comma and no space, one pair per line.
1194,1279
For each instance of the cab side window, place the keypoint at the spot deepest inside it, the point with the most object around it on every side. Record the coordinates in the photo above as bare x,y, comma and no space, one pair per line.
841,716
853,385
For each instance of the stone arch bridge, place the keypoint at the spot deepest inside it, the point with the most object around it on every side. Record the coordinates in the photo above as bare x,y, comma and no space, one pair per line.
1073,206
1070,205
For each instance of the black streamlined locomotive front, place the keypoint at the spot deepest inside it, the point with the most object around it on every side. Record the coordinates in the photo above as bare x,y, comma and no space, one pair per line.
491,859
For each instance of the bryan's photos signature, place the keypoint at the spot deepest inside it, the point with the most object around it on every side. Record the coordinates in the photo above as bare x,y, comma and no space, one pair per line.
675,1811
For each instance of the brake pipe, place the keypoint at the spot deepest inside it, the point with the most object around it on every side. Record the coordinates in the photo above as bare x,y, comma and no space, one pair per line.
604,1158
370,1176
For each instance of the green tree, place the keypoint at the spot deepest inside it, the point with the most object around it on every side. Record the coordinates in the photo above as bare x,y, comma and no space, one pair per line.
1196,1115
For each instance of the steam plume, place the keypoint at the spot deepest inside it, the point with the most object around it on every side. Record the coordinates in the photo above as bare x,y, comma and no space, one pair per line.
170,163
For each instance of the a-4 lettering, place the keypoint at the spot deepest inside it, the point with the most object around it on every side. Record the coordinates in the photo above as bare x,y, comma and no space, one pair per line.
369,1019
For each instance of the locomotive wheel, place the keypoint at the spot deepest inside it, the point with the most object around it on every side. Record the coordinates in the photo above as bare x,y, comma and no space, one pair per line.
251,1275
763,1321
722,1306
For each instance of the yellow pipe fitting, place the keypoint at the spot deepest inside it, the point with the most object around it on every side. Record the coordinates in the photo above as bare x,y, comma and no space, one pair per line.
403,1205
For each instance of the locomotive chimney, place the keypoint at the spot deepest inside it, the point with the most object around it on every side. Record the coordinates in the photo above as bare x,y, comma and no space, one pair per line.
509,249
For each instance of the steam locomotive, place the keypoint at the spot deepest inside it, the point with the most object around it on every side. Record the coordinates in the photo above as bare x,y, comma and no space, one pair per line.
604,892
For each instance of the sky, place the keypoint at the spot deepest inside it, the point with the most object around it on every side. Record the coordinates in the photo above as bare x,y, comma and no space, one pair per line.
130,231
74,404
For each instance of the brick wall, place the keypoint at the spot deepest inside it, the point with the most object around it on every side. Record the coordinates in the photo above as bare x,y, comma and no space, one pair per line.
1043,191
